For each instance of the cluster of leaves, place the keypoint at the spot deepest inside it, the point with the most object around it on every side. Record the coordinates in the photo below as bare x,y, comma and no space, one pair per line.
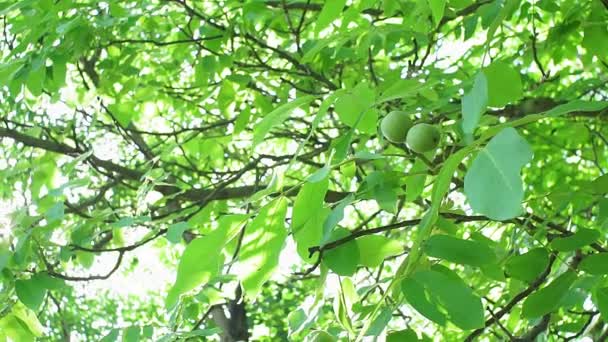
229,136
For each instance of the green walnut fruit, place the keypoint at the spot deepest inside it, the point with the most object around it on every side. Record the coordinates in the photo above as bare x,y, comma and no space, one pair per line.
395,126
423,138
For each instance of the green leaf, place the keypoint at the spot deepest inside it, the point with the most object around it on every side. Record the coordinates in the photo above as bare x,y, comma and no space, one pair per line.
320,336
548,299
28,317
459,251
335,216
414,184
600,185
600,298
462,306
343,260
380,322
131,334
55,212
48,282
5,256
321,173
331,11
492,184
437,8
341,311
474,104
175,231
402,88
30,292
262,244
276,117
595,34
416,296
504,84
112,336
202,332
528,266
406,335
203,258
123,112
36,77
308,215
355,108
595,264
373,249
581,238
381,187
577,105
11,327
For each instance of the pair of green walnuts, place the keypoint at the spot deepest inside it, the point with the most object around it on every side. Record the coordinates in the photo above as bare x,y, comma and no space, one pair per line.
397,127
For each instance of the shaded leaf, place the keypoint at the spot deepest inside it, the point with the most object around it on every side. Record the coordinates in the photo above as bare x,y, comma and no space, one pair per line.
459,251
474,104
548,299
581,238
595,263
462,306
342,260
528,266
30,292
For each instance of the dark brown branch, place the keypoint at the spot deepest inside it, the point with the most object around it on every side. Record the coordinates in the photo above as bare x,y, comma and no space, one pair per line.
55,274
402,224
158,43
536,330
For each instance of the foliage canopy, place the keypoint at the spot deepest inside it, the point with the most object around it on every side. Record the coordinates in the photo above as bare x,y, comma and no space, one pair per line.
237,146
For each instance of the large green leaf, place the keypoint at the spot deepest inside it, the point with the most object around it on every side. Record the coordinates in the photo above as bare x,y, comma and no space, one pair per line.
12,328
492,184
406,335
437,8
203,258
474,103
343,260
414,184
30,292
596,34
28,319
595,263
261,247
330,12
308,216
447,290
467,252
354,108
308,202
528,266
504,84
416,296
373,249
131,334
600,298
581,238
549,298
402,88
